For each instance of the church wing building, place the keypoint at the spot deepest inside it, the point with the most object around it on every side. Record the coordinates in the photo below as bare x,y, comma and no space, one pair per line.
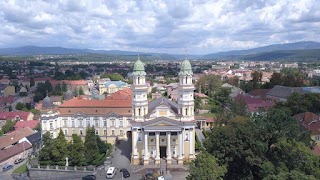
162,129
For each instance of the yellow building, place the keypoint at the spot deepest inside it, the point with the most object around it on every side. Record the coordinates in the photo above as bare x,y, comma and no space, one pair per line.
162,129
110,117
9,90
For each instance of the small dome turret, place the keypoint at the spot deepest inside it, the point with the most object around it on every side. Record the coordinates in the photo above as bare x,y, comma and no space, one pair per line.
68,95
47,103
138,66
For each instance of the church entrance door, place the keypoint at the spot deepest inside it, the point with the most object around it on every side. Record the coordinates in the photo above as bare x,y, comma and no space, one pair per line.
163,151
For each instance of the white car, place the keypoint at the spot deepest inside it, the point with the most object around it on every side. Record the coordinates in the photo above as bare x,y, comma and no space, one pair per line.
161,178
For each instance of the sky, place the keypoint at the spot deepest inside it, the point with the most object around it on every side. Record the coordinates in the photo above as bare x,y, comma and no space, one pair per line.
166,26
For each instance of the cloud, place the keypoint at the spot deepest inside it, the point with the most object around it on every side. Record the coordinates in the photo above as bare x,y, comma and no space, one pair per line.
158,25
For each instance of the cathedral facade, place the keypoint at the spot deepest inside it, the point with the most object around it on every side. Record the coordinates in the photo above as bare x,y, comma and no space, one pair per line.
162,129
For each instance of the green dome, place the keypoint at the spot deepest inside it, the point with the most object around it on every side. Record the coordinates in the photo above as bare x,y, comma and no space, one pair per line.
138,66
186,66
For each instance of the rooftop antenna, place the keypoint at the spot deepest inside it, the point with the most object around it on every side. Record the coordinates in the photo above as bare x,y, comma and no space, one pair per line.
186,53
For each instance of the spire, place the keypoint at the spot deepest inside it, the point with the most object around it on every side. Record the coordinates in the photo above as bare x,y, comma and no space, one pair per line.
186,53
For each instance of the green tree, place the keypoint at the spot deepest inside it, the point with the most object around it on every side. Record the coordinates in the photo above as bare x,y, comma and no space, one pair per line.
76,151
91,149
20,106
76,92
32,83
64,87
81,91
45,152
206,167
9,126
60,148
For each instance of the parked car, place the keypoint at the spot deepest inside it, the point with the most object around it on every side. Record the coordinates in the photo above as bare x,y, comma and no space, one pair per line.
17,161
111,172
149,175
7,167
89,177
125,173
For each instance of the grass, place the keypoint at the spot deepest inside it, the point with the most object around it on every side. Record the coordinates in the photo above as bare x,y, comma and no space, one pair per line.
21,169
208,115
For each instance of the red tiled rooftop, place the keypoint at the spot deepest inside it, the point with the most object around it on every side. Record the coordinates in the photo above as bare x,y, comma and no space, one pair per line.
12,115
78,102
14,150
201,95
248,99
22,124
310,121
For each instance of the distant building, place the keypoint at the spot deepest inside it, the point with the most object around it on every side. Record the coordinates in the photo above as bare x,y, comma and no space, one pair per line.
311,122
110,87
9,90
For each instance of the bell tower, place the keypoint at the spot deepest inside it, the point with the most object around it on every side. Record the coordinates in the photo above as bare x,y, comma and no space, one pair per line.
139,91
186,92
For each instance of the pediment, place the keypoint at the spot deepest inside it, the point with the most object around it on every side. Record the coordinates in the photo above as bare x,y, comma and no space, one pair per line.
162,121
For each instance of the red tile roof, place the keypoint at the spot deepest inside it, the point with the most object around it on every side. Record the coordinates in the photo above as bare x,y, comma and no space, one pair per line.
200,95
121,95
78,102
14,137
310,121
77,82
262,93
22,124
12,115
14,150
254,104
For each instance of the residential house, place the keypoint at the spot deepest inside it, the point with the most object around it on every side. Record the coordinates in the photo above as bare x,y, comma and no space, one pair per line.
311,122
253,104
234,90
16,116
112,86
9,91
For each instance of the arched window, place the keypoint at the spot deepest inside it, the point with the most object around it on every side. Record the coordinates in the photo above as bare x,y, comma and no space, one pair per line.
186,111
186,79
139,112
138,80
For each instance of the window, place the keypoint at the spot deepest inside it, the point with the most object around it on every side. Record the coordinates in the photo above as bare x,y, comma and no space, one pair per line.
80,122
65,132
121,132
104,132
139,137
73,131
174,133
65,123
105,123
112,123
317,138
187,137
162,133
81,132
72,122
112,132
120,123
152,133
96,123
97,132
51,125
88,123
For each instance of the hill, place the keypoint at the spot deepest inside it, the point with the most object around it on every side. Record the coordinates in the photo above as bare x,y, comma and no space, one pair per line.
274,51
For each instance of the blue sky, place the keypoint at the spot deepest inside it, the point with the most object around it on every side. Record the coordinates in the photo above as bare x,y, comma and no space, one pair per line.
167,26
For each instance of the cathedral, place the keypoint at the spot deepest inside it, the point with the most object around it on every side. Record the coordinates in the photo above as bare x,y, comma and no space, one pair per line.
162,129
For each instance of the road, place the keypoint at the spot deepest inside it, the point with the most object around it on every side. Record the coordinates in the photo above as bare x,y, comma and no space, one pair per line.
7,175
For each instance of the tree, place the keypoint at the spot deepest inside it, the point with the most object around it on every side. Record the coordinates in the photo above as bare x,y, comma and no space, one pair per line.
206,167
91,149
76,151
9,126
38,127
60,148
38,97
81,91
32,83
45,152
20,106
64,87
256,78
76,91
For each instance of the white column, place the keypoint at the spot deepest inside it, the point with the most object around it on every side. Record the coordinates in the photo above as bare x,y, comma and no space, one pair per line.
157,146
134,142
146,151
180,140
182,132
191,143
169,145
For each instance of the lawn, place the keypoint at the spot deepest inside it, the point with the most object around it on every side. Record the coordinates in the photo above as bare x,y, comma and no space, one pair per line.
21,169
